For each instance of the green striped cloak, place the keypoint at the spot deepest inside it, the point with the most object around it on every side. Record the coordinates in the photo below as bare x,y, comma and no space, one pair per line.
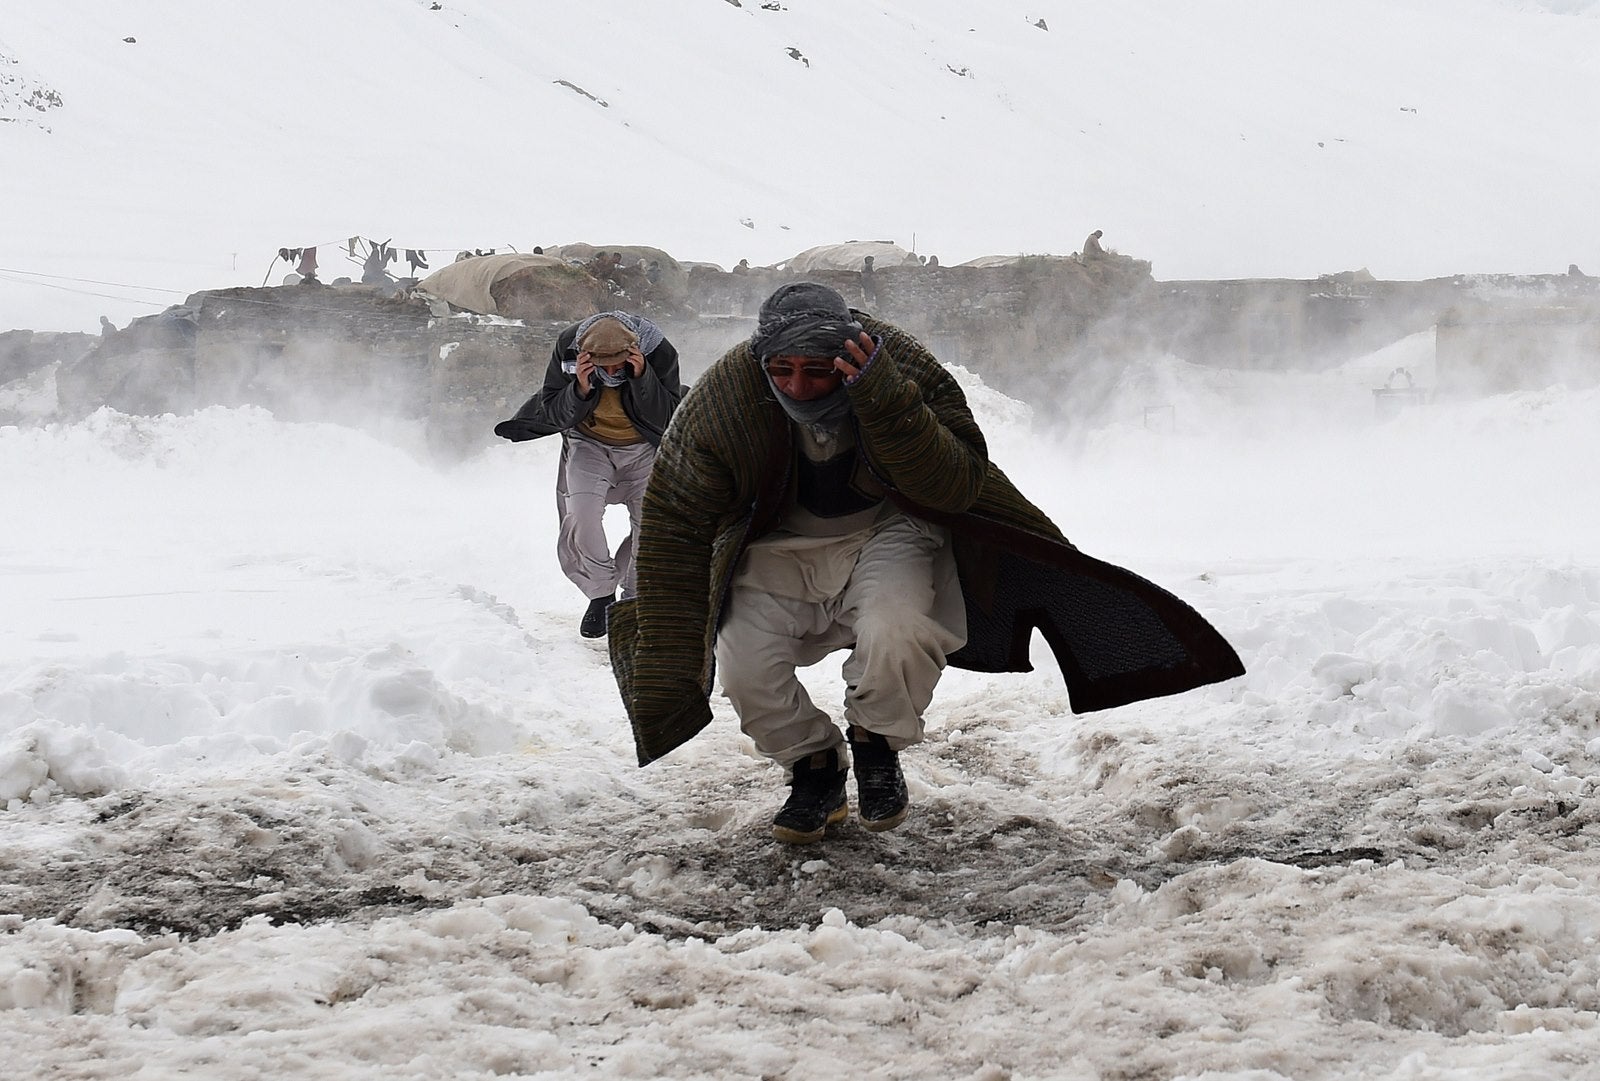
720,480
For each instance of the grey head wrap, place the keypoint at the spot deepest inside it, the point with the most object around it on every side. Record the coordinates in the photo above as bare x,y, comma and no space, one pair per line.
805,319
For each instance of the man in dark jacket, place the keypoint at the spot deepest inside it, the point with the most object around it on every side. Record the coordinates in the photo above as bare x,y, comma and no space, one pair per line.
825,487
610,389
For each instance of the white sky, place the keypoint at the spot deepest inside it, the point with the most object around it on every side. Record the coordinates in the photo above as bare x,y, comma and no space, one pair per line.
319,706
1236,138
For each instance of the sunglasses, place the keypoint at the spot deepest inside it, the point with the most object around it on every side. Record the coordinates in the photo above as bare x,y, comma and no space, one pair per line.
819,370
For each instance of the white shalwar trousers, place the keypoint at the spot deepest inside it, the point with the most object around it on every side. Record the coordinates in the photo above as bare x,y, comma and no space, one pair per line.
893,612
591,476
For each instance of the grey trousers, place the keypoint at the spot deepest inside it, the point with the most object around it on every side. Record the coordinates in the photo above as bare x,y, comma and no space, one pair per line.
895,616
590,477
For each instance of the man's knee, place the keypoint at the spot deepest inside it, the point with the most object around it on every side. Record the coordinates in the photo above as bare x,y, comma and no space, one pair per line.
582,526
753,670
894,627
742,666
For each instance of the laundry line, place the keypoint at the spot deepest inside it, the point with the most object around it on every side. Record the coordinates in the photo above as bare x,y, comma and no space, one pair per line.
373,255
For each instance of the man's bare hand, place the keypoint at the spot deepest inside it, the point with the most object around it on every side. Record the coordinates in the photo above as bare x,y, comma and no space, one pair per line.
860,350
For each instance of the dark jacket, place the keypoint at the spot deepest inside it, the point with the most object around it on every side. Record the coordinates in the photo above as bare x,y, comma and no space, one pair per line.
648,399
719,482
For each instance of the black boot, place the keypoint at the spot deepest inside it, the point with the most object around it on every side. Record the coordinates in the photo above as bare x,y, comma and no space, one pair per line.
816,800
593,624
881,797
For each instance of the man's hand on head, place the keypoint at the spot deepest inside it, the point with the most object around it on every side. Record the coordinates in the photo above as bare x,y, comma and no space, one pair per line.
860,350
585,372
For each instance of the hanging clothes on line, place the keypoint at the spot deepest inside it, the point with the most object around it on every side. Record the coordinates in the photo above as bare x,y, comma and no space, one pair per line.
379,256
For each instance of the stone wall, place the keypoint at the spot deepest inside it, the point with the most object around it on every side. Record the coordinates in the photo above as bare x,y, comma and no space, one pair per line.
1491,349
30,363
1038,328
23,352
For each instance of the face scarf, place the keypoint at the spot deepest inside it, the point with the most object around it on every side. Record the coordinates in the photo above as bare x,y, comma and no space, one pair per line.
612,380
805,319
822,415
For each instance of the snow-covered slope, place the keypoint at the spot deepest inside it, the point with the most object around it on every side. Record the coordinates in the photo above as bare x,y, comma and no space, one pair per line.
305,772
1233,138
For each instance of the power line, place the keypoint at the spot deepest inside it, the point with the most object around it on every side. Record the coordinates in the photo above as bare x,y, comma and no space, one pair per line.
90,292
5,273
153,303
86,281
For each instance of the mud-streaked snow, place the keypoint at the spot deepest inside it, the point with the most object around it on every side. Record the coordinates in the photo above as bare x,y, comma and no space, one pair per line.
306,773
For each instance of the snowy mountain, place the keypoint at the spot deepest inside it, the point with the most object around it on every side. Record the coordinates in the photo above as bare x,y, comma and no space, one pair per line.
153,150
305,772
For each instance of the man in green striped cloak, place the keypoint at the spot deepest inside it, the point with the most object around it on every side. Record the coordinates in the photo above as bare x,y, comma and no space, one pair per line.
825,487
